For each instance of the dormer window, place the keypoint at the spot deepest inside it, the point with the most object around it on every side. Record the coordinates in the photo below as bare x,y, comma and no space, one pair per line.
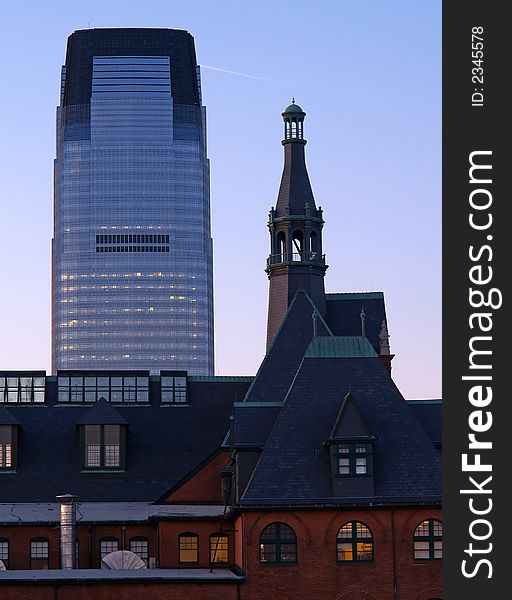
102,438
7,447
120,388
8,440
22,390
103,447
350,446
174,387
354,458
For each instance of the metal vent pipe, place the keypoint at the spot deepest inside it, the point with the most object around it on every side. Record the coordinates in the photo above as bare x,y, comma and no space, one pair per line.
67,530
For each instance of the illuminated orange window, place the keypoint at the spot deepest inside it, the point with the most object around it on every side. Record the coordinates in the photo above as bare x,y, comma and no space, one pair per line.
354,542
189,548
219,548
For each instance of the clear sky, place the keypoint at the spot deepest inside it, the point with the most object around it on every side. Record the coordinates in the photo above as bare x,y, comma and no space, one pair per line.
368,75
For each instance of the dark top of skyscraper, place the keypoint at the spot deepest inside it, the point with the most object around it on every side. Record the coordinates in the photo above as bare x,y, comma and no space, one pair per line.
85,43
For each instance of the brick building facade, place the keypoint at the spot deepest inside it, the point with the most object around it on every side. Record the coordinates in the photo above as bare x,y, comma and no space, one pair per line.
313,479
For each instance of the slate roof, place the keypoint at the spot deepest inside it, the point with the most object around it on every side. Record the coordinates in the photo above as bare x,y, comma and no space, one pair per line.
429,415
295,188
164,444
343,314
104,512
294,468
102,413
350,423
282,360
7,418
253,423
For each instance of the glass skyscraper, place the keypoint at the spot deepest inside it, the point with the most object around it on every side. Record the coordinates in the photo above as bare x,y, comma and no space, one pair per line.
132,250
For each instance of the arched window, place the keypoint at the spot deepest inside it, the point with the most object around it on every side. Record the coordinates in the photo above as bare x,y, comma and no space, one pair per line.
428,540
354,542
140,546
281,246
188,547
39,553
219,548
108,545
278,544
297,244
4,552
287,134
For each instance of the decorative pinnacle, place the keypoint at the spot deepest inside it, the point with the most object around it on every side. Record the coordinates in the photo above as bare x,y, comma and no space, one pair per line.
384,339
363,318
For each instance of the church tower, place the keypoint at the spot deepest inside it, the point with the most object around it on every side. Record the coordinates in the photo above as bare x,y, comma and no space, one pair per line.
296,261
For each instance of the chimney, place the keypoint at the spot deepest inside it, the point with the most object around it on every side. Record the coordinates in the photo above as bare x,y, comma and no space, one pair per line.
67,530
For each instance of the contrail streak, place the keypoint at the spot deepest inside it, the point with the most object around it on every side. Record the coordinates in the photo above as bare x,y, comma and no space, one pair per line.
236,73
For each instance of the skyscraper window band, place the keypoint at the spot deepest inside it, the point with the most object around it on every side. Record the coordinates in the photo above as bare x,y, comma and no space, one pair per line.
139,242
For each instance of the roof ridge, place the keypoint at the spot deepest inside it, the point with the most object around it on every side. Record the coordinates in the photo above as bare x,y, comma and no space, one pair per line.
276,336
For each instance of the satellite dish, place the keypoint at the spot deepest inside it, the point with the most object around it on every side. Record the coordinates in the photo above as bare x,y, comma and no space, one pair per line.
122,559
2,565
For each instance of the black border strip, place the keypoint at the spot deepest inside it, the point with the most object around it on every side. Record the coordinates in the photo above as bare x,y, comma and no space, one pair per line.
476,121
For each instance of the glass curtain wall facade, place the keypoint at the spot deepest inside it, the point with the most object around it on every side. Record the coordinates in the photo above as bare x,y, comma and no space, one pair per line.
132,251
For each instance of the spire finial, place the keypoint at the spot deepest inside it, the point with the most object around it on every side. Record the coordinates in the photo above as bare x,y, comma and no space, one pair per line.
293,99
363,317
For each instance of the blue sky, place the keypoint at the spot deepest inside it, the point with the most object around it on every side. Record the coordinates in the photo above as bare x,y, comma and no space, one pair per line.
368,75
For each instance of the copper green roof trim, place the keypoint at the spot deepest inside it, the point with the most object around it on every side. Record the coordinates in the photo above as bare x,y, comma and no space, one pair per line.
355,296
220,378
340,347
253,404
425,401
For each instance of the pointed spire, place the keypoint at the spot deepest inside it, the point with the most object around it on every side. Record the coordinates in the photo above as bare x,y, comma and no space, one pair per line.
296,258
295,191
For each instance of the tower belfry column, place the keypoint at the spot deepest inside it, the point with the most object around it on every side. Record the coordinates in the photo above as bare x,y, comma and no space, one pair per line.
296,260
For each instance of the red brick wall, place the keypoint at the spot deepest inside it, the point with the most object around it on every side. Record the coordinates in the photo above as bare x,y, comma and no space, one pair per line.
120,591
317,574
169,550
167,555
19,537
122,532
205,486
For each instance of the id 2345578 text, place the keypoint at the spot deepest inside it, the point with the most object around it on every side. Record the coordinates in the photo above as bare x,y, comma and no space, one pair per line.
477,70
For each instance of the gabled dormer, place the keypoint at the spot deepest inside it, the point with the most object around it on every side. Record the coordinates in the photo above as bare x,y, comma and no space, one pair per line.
350,446
102,438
